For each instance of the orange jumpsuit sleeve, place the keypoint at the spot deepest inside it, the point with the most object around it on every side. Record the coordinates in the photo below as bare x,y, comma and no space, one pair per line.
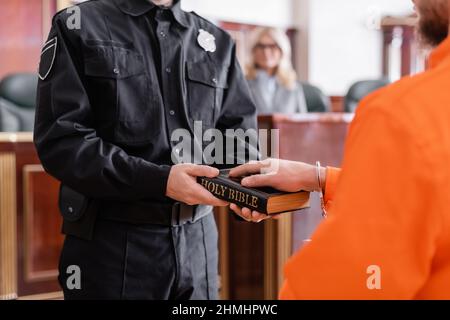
376,242
330,186
286,292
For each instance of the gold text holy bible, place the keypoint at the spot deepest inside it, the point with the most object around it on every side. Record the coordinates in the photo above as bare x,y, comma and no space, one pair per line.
264,200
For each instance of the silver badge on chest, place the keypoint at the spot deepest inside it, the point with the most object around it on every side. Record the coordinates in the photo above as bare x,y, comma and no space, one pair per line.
206,40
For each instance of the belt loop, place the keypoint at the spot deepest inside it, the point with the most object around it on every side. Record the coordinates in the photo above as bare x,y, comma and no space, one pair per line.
186,213
182,213
194,212
176,214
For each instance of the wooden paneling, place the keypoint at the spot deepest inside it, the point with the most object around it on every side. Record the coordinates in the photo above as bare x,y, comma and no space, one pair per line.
337,103
246,259
42,237
8,247
241,257
37,232
221,216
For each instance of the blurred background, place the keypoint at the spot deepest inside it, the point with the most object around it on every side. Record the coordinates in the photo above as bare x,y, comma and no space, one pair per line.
335,43
308,62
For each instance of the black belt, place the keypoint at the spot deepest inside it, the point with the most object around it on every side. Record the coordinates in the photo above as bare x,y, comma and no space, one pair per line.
176,214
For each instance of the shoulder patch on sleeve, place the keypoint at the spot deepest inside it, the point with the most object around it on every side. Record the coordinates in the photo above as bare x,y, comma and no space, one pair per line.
48,55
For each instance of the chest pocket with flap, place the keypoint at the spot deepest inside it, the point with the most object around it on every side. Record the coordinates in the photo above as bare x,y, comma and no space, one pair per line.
206,83
120,92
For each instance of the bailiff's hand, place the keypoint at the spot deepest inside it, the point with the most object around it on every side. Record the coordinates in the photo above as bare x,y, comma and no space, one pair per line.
182,185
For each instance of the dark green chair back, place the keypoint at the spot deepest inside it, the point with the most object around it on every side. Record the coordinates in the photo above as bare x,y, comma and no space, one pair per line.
18,102
316,100
359,90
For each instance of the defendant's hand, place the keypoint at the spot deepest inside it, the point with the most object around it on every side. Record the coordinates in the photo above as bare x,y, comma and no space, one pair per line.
182,185
283,175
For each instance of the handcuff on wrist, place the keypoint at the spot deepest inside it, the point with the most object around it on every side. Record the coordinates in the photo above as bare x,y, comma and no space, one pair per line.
322,201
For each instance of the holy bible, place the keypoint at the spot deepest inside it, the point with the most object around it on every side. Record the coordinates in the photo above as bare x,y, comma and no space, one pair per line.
264,200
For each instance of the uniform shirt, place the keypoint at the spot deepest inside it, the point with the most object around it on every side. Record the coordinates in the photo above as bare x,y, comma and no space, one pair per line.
271,96
388,231
112,92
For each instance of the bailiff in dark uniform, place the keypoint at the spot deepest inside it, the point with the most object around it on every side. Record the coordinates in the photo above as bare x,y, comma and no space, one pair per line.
110,94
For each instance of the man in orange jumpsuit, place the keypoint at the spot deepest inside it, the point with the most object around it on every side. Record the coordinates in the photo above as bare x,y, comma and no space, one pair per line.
387,235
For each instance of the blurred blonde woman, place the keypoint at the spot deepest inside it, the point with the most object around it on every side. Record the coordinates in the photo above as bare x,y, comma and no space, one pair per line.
270,74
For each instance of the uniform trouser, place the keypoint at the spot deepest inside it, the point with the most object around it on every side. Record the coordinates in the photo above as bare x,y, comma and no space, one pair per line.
126,261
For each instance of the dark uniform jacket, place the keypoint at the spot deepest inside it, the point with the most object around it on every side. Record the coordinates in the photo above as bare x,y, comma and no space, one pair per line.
111,93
